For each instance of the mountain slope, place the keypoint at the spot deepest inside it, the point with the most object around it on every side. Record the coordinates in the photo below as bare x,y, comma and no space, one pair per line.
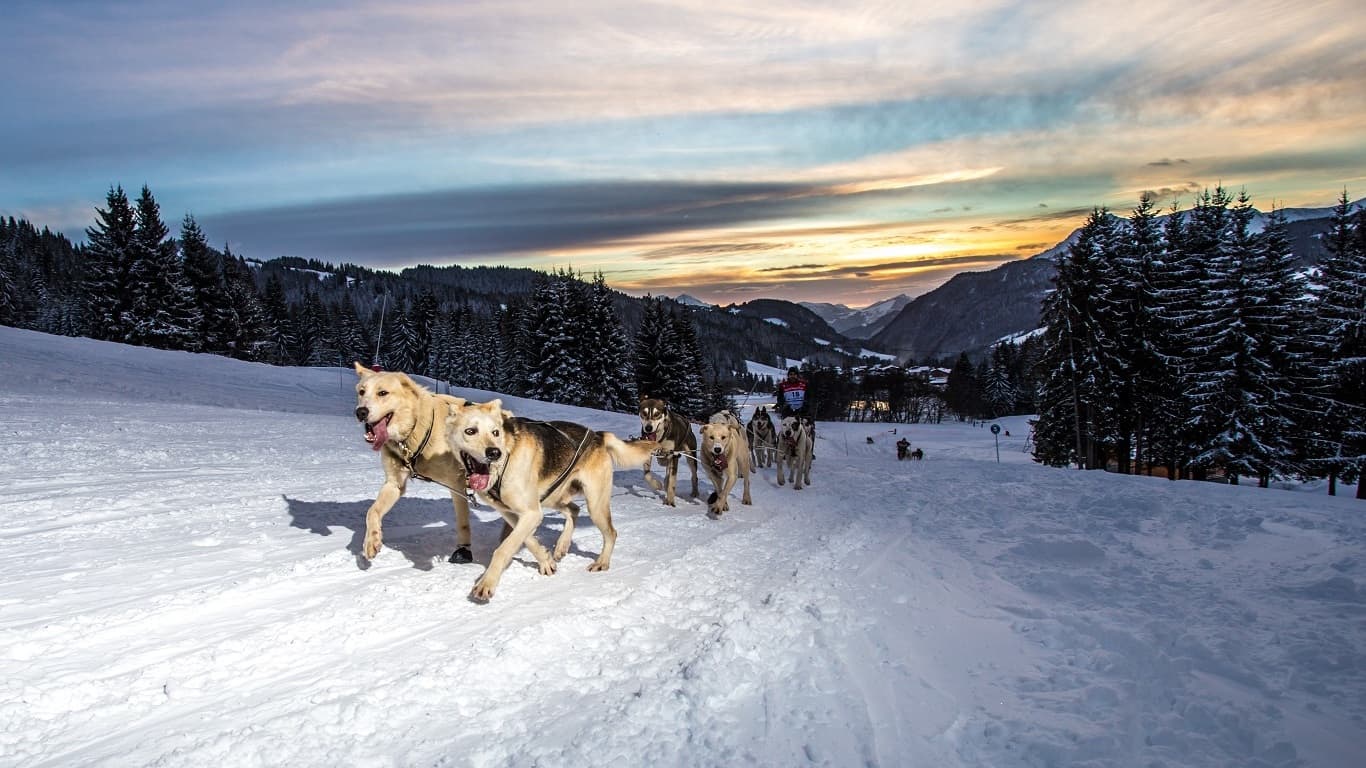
858,323
974,309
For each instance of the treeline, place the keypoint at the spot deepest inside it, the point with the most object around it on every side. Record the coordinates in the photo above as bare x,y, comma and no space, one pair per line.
496,328
1193,343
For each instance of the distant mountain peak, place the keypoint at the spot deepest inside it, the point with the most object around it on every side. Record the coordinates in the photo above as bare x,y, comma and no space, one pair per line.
691,301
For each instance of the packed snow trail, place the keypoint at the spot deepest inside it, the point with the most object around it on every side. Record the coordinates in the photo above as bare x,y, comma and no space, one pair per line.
183,588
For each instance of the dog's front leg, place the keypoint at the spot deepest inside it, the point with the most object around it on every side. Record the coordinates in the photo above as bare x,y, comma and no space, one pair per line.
528,521
462,553
745,471
389,493
650,479
778,460
671,479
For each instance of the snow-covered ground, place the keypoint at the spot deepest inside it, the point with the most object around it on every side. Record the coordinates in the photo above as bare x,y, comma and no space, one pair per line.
182,588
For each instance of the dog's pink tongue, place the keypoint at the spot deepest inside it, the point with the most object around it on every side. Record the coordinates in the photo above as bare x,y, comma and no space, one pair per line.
381,435
478,482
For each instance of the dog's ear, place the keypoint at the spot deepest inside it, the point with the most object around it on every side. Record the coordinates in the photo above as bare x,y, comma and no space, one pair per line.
362,370
493,405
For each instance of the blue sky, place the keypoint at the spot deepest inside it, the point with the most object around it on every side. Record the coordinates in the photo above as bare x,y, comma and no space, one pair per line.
806,150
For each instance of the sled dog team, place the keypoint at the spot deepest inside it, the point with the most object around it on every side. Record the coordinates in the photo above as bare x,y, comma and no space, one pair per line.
520,466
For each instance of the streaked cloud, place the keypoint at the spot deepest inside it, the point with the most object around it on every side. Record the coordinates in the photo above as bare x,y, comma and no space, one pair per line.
669,134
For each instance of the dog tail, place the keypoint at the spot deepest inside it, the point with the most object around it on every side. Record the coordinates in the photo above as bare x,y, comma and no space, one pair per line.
626,454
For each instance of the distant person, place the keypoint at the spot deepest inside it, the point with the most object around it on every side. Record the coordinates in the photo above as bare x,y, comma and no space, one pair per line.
903,449
791,394
791,397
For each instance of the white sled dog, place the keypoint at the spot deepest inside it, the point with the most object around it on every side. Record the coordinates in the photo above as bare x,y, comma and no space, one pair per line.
406,423
763,439
725,456
794,449
521,465
675,438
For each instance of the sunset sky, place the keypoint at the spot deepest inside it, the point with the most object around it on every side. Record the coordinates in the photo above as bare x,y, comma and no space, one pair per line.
830,151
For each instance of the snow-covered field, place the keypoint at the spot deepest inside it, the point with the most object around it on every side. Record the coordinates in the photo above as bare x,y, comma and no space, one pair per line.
181,588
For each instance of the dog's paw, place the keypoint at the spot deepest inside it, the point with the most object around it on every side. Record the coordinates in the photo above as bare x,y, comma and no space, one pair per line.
548,568
654,482
462,555
597,566
483,591
374,542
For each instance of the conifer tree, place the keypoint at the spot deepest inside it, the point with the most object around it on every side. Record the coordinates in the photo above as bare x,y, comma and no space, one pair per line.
1075,416
690,382
1234,389
962,392
1339,351
10,306
657,360
606,353
247,330
314,343
109,260
999,392
352,344
204,273
163,310
556,373
280,333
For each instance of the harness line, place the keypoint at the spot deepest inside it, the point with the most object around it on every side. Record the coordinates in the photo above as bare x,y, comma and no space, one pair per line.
496,491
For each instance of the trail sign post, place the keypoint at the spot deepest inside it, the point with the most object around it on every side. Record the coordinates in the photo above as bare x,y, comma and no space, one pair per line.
996,433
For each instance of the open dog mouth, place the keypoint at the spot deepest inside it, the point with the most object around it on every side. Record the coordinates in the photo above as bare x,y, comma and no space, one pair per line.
377,433
647,432
477,473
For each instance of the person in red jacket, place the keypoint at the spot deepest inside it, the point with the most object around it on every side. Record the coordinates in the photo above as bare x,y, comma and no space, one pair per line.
791,395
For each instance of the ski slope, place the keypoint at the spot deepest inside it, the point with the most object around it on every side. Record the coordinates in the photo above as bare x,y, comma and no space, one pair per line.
182,588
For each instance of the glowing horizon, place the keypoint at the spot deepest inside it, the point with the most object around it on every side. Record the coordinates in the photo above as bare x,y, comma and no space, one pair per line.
793,150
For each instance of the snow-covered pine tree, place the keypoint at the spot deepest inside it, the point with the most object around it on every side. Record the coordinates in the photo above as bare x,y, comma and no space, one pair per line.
424,314
557,372
691,379
657,359
606,352
109,259
1279,323
401,339
10,306
163,313
999,392
1339,351
204,273
315,342
481,350
515,346
1074,411
1232,387
247,330
280,340
352,344
1139,260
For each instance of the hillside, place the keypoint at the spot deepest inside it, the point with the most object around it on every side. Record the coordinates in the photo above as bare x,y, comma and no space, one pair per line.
183,589
973,310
